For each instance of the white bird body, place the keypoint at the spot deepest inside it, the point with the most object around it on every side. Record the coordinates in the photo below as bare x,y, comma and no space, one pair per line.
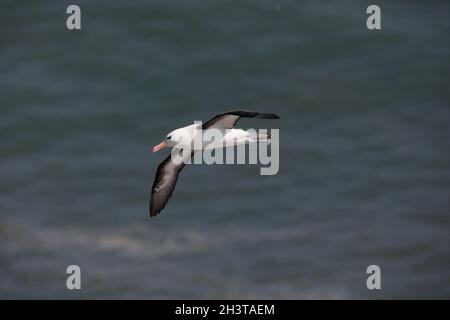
218,132
185,137
217,138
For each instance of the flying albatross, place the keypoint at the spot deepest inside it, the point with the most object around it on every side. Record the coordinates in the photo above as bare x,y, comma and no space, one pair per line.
168,170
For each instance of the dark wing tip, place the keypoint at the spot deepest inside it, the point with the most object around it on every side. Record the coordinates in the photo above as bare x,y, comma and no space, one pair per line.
152,210
268,116
251,114
159,199
158,203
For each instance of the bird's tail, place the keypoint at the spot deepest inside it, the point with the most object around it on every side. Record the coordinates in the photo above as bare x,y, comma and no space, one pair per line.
262,135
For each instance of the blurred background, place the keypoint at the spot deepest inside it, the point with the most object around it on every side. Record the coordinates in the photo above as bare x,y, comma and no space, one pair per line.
364,162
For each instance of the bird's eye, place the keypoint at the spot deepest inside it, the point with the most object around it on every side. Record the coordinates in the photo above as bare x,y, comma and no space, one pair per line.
169,137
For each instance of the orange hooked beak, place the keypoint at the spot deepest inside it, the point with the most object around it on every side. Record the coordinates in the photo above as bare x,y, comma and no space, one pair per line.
159,146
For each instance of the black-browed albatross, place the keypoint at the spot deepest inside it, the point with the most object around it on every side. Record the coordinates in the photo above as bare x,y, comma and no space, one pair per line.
168,171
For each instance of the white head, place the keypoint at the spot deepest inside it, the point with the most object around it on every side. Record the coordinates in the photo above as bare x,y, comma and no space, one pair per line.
174,138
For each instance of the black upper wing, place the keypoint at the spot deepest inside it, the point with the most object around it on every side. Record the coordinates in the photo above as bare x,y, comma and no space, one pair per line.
227,120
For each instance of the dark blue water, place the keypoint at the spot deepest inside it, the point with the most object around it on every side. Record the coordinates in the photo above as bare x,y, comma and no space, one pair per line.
364,162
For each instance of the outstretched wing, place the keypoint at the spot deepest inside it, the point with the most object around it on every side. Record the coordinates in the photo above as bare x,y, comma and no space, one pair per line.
227,120
165,180
167,174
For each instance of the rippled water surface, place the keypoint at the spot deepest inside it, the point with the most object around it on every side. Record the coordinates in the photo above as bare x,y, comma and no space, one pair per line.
364,162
